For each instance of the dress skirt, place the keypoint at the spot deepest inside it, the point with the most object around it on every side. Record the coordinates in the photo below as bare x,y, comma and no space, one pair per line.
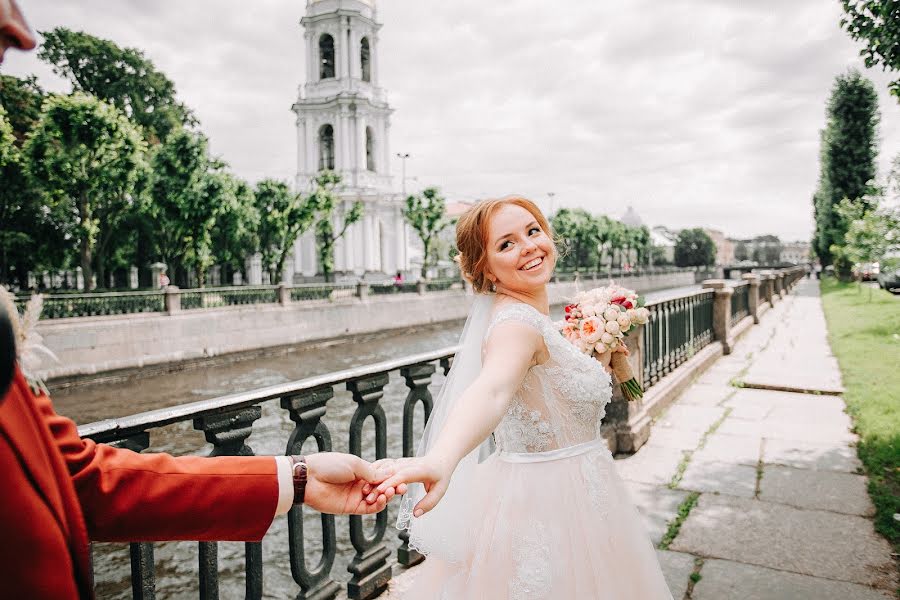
558,524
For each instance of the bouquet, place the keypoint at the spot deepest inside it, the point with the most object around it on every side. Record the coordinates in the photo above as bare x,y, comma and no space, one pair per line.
597,322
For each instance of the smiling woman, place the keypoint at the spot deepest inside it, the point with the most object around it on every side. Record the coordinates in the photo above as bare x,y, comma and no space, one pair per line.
487,234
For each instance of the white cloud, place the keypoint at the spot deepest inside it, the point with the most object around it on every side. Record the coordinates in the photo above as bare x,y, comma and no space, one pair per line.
696,113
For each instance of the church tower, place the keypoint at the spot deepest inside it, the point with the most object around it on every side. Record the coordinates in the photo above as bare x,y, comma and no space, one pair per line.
343,124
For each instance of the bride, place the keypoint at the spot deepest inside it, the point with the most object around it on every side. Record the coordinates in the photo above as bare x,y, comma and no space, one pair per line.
545,515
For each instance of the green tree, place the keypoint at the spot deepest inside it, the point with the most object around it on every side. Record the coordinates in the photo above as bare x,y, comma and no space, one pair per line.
643,244
121,76
186,192
325,200
847,158
85,157
578,234
741,251
870,233
236,232
22,99
427,214
284,216
694,248
877,24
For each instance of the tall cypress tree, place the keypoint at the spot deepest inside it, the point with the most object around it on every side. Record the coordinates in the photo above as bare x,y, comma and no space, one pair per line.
847,158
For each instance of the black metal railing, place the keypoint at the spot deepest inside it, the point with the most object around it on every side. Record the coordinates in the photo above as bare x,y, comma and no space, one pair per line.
228,296
228,421
678,328
390,287
740,303
59,306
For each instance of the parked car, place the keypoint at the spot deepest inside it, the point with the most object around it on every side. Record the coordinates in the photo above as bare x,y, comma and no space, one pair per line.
889,274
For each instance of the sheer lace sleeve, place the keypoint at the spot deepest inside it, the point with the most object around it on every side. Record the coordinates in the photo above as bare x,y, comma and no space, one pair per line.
521,313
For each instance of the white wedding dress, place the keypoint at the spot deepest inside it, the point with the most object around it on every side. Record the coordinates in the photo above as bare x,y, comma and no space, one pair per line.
546,515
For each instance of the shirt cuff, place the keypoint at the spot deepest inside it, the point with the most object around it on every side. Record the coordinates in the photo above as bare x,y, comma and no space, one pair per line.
285,485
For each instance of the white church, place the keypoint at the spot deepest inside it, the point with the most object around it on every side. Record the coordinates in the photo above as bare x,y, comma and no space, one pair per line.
343,124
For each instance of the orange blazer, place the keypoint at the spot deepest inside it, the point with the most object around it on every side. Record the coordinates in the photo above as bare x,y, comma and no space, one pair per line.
58,491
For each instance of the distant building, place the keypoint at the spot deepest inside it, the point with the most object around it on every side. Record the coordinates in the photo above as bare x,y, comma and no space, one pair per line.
724,246
664,238
795,253
631,218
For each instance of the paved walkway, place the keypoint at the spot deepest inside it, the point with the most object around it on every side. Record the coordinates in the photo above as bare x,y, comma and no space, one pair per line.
778,507
781,511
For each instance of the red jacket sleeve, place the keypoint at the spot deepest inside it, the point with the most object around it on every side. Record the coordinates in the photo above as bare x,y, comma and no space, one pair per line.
126,496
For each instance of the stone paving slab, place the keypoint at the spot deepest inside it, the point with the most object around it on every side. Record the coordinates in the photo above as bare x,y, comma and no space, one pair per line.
809,542
653,465
794,430
657,504
676,439
677,568
737,449
825,456
700,394
715,378
719,477
690,418
837,492
726,580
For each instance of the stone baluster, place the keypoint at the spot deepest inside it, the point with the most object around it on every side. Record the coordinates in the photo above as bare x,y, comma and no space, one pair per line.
306,411
284,294
769,283
422,287
780,286
370,569
362,290
228,433
721,311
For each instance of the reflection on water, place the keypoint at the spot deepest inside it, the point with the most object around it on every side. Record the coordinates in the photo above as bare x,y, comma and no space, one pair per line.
177,562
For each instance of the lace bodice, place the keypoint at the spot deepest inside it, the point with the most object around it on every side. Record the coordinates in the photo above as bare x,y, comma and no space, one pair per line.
560,402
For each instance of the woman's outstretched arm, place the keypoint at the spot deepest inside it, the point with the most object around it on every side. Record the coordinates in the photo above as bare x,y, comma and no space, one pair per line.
511,350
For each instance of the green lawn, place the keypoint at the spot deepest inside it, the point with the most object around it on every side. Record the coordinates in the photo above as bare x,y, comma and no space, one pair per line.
865,337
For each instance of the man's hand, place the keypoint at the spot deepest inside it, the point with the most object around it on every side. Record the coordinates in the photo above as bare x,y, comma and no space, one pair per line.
339,483
432,473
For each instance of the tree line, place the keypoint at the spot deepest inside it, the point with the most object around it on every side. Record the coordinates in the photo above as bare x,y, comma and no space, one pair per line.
857,218
117,173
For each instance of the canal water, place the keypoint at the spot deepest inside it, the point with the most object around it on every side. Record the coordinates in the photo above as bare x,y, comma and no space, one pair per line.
177,562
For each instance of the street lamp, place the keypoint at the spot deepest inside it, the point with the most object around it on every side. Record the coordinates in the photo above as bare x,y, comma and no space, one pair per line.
551,195
403,156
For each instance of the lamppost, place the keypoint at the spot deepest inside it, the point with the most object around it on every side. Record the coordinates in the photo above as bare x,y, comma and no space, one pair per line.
403,156
551,195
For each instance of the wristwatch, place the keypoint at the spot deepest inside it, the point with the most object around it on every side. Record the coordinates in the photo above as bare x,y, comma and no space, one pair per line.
300,474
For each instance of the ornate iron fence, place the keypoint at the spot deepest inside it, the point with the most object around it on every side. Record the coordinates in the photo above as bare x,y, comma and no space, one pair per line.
228,421
740,303
677,329
328,291
59,306
389,287
228,296
440,285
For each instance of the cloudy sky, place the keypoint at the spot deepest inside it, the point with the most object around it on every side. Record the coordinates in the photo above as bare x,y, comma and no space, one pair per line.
695,112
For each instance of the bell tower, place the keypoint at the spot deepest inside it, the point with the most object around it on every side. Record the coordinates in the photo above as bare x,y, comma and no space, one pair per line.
343,118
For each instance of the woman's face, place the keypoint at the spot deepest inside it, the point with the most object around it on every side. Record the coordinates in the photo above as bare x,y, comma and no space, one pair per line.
521,255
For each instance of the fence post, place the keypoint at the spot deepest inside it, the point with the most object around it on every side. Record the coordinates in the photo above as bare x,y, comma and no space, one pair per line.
421,287
752,295
779,287
721,311
172,299
284,294
362,290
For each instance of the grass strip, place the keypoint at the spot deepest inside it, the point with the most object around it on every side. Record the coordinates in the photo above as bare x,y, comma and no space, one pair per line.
684,509
694,578
864,335
688,454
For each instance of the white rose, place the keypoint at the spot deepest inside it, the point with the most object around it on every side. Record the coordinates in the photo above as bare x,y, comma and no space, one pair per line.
624,321
643,315
631,314
611,314
589,310
607,338
612,327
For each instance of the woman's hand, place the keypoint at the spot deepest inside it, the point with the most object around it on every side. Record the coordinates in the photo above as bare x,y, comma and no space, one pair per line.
339,483
434,474
606,357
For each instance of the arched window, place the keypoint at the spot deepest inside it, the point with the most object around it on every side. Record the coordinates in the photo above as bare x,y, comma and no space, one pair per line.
370,149
326,148
326,56
364,60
